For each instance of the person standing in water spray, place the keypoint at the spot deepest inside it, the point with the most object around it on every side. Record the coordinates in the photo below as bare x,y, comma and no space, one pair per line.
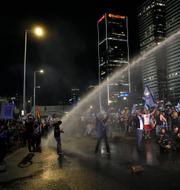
101,120
57,136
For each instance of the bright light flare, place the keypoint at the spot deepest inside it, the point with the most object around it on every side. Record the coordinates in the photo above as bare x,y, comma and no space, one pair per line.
41,71
38,31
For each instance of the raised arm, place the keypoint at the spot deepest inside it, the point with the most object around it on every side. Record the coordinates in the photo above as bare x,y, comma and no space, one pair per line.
153,112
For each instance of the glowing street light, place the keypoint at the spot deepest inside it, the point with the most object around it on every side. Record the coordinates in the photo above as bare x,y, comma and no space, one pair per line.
41,71
39,32
125,98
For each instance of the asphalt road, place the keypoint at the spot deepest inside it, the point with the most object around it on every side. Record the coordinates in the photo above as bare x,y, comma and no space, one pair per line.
80,169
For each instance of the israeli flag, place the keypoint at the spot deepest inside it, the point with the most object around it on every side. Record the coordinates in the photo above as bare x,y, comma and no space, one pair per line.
149,98
134,109
178,107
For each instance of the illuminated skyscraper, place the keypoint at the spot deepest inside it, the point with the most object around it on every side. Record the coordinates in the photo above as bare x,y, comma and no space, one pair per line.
113,54
151,22
158,19
173,49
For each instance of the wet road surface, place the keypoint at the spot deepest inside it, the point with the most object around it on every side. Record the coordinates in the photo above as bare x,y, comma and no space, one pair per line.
80,169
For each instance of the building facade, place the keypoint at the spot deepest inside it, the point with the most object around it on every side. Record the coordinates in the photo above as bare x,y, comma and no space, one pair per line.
113,54
75,96
159,19
173,49
152,31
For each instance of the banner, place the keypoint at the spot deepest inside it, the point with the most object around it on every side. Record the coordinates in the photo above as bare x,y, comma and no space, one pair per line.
133,111
7,111
149,98
177,108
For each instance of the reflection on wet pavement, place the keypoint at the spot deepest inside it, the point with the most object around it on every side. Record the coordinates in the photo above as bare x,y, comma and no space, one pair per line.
80,169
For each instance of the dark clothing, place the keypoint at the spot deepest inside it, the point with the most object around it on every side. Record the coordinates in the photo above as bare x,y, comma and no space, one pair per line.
158,120
139,134
57,136
30,135
100,128
101,134
106,143
31,143
176,140
3,143
57,131
175,122
37,136
29,128
139,131
165,142
59,149
136,122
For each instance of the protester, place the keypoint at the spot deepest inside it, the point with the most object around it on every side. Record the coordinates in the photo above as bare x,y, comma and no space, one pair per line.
126,117
138,123
160,121
101,131
175,119
57,136
175,136
29,125
3,148
37,136
147,122
164,141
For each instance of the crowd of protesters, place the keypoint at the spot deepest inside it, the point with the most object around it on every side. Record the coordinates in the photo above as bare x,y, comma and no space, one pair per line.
163,125
21,133
160,124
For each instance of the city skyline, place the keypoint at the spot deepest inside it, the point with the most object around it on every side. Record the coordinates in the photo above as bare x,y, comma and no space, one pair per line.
65,53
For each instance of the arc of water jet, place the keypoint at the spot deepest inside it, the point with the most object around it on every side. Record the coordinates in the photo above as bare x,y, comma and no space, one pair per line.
120,71
116,74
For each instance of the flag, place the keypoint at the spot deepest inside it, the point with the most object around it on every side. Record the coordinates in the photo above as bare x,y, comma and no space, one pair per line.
177,108
146,107
37,112
134,109
149,98
7,110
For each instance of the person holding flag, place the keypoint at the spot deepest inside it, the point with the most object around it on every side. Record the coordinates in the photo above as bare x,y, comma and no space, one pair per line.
147,116
147,122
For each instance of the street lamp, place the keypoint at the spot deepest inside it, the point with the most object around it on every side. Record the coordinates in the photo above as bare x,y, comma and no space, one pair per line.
39,32
34,103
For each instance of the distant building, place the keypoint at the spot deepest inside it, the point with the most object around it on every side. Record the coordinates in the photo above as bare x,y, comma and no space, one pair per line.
75,96
113,54
161,70
3,100
152,28
173,49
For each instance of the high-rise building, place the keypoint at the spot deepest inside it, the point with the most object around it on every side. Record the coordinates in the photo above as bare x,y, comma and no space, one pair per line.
75,96
173,49
113,54
158,19
151,23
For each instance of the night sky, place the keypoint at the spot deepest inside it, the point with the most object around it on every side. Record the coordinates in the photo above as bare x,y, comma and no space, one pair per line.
68,53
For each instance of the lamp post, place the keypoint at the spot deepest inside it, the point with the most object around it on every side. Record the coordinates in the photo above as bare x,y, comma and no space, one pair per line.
24,81
34,94
39,32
